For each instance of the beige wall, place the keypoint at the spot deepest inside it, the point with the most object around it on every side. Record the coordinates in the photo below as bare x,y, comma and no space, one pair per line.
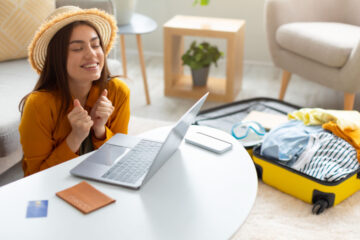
250,10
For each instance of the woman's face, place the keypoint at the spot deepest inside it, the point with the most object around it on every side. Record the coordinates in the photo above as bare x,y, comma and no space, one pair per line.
85,57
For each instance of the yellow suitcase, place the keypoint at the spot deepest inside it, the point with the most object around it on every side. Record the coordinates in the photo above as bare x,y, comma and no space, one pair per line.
311,190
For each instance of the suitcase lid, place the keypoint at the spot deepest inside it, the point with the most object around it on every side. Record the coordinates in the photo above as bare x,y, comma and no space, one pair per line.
225,116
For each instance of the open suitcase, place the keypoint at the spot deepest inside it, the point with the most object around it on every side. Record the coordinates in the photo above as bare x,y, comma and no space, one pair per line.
321,194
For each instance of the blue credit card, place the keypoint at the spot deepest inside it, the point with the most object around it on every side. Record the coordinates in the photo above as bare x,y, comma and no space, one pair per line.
36,209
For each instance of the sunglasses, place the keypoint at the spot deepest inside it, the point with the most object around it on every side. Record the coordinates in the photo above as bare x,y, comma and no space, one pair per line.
241,130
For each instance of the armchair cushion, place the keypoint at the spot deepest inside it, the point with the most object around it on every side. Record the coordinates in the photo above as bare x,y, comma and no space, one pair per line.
325,42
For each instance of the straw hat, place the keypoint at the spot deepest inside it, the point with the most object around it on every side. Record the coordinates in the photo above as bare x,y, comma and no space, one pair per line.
104,23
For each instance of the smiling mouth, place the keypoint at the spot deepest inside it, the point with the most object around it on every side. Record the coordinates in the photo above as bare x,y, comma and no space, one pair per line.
90,66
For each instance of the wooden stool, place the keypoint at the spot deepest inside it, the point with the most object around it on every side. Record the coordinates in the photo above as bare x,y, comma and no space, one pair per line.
139,24
180,85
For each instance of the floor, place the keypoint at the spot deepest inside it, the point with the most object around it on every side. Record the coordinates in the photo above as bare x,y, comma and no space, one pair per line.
258,81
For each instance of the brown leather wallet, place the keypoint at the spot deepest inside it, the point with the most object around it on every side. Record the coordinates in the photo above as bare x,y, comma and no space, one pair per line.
85,197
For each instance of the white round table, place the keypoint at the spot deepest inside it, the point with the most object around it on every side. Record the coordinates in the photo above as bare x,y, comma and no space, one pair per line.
208,196
195,195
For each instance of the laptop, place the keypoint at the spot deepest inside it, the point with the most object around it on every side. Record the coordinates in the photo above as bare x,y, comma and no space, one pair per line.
131,161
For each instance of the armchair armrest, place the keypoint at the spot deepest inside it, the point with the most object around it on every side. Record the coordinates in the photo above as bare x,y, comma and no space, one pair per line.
351,70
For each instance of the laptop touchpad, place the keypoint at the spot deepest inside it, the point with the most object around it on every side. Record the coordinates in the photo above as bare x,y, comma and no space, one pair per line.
108,154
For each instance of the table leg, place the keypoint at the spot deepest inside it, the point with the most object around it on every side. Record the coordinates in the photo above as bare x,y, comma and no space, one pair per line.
123,55
142,64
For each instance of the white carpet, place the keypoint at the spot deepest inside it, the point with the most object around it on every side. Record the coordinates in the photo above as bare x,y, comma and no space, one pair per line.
138,125
276,215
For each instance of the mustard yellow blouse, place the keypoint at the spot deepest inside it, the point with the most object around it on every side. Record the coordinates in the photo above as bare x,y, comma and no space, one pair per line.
44,144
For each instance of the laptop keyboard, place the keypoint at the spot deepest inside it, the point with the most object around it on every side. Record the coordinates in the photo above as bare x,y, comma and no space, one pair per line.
135,163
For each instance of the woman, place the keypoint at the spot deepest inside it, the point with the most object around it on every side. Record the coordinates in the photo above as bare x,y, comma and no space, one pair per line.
75,106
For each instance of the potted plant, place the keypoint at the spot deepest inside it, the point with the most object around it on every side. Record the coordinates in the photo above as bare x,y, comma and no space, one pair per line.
199,58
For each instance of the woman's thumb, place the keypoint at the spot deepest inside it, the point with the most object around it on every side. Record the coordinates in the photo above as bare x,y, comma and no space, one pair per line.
77,103
104,93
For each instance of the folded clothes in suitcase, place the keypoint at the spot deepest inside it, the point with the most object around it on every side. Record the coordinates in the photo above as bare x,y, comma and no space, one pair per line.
322,194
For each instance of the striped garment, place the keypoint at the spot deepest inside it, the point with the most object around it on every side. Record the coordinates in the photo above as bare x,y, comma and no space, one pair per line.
328,158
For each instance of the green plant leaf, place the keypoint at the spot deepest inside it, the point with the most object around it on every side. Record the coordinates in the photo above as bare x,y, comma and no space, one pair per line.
201,2
201,55
204,2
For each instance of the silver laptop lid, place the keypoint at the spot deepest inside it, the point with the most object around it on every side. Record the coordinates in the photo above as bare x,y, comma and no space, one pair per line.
175,137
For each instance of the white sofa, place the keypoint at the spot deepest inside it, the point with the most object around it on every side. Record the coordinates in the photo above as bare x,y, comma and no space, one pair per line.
16,80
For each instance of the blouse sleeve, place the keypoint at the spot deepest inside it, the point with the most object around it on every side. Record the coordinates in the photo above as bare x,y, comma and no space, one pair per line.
119,95
39,148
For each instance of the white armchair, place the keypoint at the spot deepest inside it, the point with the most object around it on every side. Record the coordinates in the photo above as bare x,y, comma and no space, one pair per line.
317,40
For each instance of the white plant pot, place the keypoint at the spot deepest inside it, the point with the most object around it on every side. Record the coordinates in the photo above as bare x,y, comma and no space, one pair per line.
124,10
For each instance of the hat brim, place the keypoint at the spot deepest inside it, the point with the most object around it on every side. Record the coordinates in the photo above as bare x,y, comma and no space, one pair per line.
104,23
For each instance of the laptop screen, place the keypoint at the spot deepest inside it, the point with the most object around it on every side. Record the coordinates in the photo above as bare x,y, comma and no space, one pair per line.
175,137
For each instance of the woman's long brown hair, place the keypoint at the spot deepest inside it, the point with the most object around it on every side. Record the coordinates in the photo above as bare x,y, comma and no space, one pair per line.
54,77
